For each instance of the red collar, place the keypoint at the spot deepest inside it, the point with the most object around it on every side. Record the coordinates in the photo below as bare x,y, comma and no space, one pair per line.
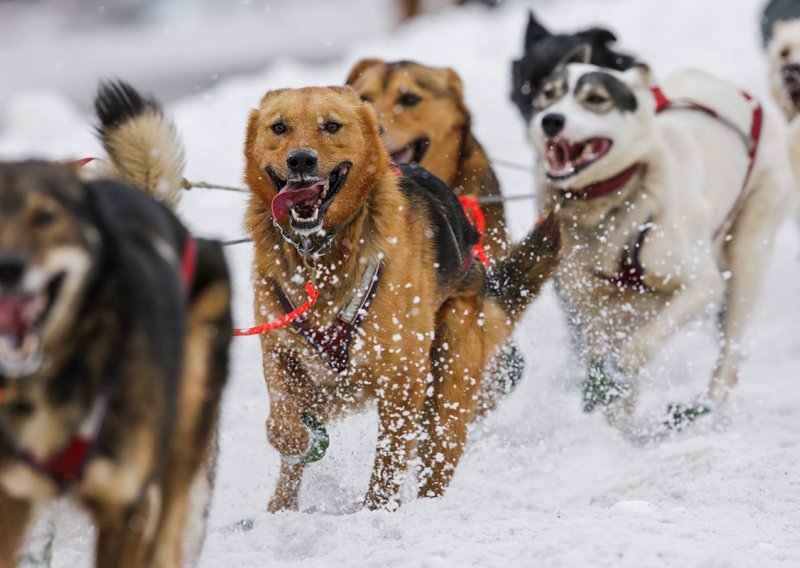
601,188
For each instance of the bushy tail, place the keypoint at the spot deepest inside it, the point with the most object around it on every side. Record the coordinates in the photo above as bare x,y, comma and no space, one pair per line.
518,278
142,145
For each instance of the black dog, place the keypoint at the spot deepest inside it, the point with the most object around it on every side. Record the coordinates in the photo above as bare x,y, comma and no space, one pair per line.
543,51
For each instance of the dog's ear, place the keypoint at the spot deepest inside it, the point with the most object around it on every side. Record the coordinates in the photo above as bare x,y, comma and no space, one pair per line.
360,67
599,36
535,31
639,75
579,54
454,84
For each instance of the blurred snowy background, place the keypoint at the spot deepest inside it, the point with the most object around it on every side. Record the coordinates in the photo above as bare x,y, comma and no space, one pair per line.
541,484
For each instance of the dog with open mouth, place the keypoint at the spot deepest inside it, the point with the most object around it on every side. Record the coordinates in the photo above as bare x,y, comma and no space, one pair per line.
425,120
670,198
543,50
114,329
404,318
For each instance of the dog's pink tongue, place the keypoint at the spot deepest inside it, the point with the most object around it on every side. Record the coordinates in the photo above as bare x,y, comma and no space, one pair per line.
16,314
403,156
296,193
558,154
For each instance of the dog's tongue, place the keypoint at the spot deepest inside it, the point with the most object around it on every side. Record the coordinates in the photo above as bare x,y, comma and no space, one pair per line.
296,193
558,154
17,314
403,156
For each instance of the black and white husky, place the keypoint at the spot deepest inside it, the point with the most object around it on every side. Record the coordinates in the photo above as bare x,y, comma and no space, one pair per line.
670,199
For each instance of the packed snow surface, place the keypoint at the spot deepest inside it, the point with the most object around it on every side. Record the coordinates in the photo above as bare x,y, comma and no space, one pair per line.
541,483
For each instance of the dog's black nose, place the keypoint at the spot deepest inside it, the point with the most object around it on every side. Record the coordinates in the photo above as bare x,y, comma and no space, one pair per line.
12,267
553,123
302,161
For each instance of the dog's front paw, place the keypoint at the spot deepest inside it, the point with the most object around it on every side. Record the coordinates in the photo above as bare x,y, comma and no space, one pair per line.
681,415
318,440
603,385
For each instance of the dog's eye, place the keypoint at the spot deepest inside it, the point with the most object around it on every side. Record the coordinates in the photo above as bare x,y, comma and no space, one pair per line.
785,52
366,99
548,93
409,99
332,127
278,128
43,217
595,99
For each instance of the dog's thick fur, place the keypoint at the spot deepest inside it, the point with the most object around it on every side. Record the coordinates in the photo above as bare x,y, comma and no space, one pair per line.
139,142
543,50
693,167
423,345
424,119
120,325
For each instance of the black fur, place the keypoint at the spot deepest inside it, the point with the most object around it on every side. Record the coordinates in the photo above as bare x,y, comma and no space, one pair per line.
544,50
117,102
620,93
453,234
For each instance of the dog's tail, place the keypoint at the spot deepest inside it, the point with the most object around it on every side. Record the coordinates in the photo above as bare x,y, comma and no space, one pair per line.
142,145
518,278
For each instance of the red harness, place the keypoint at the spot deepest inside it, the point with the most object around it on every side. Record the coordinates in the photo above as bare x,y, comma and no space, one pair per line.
631,273
68,466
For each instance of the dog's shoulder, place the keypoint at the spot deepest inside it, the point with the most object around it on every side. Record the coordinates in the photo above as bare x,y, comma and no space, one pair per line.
453,234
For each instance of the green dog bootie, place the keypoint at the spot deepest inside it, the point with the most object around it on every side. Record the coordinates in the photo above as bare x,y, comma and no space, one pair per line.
510,364
681,415
318,442
599,388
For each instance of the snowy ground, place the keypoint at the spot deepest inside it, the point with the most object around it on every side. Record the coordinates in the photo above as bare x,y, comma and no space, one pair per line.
542,484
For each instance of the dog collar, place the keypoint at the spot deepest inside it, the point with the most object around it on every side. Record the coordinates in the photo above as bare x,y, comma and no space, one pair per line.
601,188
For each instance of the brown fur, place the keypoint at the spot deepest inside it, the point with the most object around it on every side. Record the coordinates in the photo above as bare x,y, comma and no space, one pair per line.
162,413
441,115
422,350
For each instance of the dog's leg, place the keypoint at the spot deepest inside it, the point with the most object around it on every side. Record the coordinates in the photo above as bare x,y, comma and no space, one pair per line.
747,256
124,533
399,408
458,365
690,298
15,515
291,394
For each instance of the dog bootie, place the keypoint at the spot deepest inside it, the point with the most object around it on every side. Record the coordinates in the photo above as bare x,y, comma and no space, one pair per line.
601,387
318,439
510,364
681,415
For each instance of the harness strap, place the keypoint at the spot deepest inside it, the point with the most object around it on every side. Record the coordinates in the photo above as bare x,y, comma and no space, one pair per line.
602,188
333,342
631,272
473,211
750,139
189,264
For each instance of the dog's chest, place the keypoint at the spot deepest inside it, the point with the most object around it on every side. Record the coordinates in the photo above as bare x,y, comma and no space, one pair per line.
41,435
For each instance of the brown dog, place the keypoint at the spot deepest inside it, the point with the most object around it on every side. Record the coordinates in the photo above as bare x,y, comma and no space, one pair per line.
114,330
404,316
425,120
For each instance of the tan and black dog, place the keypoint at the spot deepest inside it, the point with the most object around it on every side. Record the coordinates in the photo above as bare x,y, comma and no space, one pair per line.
404,317
114,330
425,120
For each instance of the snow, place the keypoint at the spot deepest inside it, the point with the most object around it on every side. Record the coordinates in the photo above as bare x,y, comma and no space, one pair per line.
541,483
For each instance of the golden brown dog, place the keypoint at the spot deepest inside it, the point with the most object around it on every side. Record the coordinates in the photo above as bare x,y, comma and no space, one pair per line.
404,316
425,120
114,329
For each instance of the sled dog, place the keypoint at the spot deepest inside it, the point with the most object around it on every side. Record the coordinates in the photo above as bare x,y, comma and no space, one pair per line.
670,198
114,329
404,316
